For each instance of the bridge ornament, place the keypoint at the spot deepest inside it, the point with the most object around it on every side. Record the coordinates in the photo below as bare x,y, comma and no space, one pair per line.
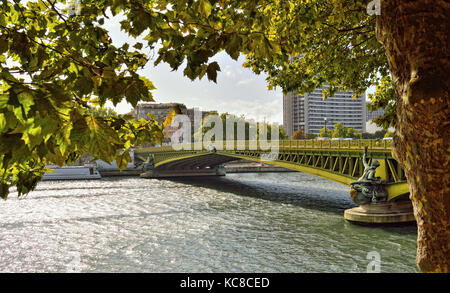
148,164
368,188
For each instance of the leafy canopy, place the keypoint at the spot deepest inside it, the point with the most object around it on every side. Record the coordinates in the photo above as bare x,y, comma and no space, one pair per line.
250,130
298,134
55,66
340,131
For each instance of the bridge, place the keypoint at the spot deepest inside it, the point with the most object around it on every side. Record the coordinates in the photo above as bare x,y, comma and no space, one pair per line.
337,160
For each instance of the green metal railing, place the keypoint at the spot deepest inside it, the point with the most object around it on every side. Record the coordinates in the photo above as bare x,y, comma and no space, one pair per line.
337,160
280,145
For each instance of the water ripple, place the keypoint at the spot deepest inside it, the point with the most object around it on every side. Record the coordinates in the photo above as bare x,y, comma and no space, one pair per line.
288,222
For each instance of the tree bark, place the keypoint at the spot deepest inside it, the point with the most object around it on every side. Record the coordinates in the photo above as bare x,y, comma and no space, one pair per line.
415,34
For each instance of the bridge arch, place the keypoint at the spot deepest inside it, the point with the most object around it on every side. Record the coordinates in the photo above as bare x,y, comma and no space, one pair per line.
334,160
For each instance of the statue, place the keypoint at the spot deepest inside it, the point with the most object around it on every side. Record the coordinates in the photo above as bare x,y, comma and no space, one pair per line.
211,148
368,188
148,164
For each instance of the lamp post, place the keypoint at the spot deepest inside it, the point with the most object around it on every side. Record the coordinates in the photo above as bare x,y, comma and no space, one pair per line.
325,119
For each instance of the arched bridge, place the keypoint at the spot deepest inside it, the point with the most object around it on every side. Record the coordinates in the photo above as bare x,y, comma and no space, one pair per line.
337,160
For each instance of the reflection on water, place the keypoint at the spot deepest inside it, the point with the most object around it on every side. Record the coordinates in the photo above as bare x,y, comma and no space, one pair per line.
280,222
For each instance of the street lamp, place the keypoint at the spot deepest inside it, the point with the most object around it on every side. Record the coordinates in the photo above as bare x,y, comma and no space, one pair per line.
325,119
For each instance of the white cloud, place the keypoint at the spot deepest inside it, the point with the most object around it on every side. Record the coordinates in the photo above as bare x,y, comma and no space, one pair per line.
245,81
237,91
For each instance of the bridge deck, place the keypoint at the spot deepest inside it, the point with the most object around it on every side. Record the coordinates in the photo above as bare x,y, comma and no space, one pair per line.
339,160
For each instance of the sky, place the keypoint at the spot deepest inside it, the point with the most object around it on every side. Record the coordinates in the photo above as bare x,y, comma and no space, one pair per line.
238,90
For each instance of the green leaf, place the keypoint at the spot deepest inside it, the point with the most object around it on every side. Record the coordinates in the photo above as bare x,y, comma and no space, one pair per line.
26,99
204,7
211,71
3,44
175,111
4,190
84,85
123,159
2,122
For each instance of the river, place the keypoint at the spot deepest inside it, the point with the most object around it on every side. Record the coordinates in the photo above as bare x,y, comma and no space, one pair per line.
266,222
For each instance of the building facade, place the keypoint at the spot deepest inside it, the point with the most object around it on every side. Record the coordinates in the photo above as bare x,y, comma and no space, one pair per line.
161,110
311,112
374,114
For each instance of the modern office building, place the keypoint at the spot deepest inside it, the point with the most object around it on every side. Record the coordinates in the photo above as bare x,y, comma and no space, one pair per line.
374,114
311,112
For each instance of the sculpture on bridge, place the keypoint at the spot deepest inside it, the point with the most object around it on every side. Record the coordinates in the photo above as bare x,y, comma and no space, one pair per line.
368,188
148,164
211,148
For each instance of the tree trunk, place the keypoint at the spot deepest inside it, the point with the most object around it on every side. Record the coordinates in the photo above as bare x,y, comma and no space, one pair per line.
415,34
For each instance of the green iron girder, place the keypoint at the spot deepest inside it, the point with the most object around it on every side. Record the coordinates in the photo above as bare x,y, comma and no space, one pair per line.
340,161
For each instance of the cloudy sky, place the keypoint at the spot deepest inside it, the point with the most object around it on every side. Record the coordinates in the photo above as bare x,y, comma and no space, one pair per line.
238,90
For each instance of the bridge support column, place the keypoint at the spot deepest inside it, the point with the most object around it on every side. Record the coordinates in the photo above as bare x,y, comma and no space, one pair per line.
382,213
217,171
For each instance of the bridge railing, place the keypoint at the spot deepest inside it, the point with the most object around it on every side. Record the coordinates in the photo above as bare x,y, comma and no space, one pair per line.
249,145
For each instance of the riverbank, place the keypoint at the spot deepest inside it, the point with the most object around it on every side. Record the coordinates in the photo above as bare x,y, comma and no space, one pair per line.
248,168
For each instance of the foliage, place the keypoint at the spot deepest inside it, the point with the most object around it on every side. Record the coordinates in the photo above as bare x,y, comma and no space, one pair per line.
326,132
378,134
298,134
55,66
310,135
103,112
282,133
208,124
329,42
340,131
54,69
384,98
389,134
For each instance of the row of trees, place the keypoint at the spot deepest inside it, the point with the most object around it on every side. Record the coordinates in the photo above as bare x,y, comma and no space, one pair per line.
339,130
377,135
261,130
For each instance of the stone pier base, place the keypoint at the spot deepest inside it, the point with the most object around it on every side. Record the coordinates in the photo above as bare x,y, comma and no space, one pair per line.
183,173
382,213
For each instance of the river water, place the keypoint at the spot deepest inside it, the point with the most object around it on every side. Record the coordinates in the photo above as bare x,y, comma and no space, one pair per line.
267,222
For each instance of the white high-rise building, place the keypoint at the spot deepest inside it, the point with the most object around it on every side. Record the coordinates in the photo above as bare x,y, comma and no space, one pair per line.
311,112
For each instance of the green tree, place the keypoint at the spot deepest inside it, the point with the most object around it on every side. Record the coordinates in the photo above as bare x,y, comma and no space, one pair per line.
384,98
103,112
64,64
335,42
326,132
199,134
298,134
54,68
377,134
340,130
389,134
310,135
352,133
282,133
